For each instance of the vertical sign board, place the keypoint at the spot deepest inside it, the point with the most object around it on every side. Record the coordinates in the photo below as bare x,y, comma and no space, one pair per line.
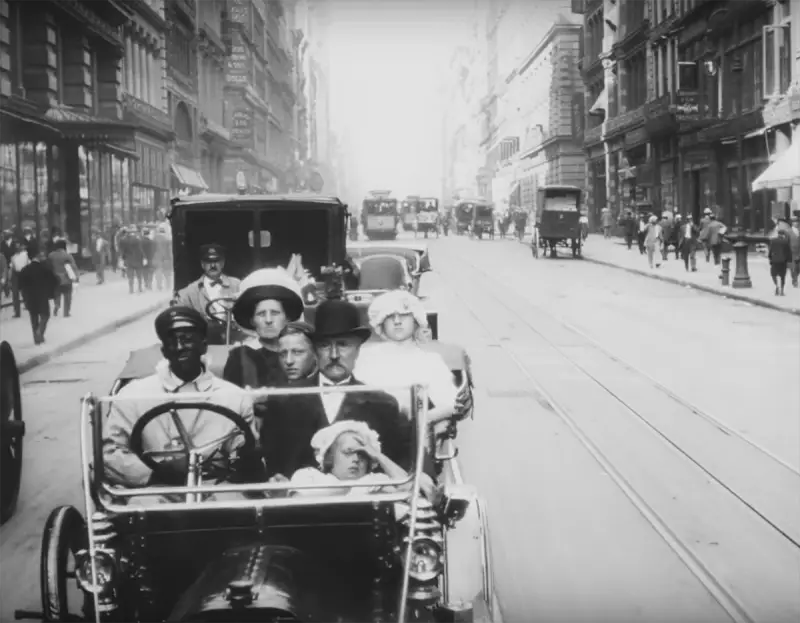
242,126
238,64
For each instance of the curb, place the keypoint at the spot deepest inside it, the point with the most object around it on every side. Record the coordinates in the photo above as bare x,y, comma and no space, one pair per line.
704,288
42,358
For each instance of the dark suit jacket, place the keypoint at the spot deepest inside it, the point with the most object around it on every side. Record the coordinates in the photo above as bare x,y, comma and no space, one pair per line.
291,421
38,283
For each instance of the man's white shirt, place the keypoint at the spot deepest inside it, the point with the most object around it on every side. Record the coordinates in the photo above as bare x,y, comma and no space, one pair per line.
214,290
332,402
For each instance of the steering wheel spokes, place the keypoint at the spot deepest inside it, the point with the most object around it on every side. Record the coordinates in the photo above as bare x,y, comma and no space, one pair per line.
220,309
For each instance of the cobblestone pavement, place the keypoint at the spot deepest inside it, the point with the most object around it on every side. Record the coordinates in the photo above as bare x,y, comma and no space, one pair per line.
637,443
95,309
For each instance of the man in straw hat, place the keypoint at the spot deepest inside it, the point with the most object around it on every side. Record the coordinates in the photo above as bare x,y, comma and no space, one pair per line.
292,421
185,368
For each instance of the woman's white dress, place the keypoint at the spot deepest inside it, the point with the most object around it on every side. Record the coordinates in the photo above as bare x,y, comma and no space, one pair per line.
312,476
405,363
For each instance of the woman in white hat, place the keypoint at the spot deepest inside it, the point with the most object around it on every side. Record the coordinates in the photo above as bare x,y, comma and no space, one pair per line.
349,452
268,299
399,318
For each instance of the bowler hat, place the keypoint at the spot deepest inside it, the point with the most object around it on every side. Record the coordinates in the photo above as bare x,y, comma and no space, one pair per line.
212,253
338,318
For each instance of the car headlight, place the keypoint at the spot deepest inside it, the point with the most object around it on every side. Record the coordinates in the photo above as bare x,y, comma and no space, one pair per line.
105,571
426,560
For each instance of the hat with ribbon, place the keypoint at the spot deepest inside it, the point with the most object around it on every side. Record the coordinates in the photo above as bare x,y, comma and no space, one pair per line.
265,284
179,317
322,441
338,318
400,302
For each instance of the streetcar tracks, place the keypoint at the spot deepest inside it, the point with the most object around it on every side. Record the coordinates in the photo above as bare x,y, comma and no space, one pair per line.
722,592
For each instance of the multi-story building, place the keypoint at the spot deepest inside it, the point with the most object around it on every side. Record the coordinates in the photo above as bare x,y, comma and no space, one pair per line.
544,108
721,99
212,63
66,153
144,106
183,96
513,29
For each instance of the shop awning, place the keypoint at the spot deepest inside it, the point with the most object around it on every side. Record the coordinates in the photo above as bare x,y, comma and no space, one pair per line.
783,173
188,177
600,104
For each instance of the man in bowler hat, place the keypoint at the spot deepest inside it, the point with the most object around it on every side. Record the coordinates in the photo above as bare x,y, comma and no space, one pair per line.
291,421
214,284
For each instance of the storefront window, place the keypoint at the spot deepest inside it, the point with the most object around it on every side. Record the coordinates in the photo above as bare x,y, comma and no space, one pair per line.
27,181
96,208
118,206
57,212
8,189
126,192
41,188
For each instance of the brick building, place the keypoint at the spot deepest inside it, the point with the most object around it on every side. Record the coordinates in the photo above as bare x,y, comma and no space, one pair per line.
688,102
69,148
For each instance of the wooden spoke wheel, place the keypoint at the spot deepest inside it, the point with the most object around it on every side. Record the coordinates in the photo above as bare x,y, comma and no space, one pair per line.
65,534
12,431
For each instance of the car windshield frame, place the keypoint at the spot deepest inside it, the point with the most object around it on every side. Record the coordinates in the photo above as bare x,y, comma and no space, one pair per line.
100,495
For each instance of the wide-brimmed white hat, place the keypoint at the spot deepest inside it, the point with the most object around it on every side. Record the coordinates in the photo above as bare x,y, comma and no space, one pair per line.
396,302
325,438
264,284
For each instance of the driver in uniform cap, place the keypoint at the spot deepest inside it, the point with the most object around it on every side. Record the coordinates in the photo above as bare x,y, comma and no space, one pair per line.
214,284
185,368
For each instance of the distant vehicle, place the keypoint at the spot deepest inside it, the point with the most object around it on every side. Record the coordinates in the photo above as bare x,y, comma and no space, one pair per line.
558,213
408,212
483,220
12,430
380,216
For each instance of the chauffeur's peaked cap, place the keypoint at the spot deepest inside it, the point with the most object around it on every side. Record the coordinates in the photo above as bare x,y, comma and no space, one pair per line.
179,317
212,253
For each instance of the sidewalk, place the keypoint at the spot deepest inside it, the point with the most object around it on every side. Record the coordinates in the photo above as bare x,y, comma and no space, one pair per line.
613,252
97,310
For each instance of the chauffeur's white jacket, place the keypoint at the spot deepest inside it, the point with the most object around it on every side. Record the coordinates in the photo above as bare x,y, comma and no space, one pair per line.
124,468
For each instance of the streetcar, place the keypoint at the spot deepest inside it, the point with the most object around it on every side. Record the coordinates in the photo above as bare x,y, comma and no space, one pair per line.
12,431
408,212
558,214
428,216
380,215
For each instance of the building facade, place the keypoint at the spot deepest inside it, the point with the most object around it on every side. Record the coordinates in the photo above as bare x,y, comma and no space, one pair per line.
69,148
688,103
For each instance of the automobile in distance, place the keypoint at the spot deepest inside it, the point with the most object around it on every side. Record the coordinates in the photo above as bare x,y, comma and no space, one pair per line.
558,213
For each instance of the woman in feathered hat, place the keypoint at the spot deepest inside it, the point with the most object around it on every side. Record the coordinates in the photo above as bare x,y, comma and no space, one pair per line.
268,299
399,318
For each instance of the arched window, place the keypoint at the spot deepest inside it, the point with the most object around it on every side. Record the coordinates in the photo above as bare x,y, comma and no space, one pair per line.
183,122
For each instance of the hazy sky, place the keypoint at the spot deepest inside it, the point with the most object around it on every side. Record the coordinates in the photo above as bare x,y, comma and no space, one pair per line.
386,63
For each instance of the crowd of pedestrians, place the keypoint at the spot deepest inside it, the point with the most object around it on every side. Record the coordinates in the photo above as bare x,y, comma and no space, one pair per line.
656,238
37,272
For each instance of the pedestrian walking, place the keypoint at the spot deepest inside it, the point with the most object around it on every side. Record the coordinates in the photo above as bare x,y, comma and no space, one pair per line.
780,254
675,237
100,256
703,225
132,255
628,223
65,268
711,236
652,240
687,242
19,261
37,283
666,236
607,221
148,251
4,276
794,245
162,258
642,233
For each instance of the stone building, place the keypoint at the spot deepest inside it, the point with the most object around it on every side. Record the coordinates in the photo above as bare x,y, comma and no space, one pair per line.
68,154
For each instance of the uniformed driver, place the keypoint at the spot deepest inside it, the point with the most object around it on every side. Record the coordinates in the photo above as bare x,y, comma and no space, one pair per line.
182,332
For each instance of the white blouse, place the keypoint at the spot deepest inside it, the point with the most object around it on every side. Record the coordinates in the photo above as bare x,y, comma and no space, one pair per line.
312,476
405,363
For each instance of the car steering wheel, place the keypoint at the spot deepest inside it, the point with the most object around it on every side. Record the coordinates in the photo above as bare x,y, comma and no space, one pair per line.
222,314
136,442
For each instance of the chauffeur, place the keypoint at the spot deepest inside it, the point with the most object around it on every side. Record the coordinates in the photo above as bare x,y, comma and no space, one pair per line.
214,284
182,332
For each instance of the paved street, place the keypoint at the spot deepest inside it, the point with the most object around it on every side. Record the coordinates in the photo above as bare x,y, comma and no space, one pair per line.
637,442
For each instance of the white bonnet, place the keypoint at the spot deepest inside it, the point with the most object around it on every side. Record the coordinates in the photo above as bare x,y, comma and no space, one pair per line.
396,302
324,439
